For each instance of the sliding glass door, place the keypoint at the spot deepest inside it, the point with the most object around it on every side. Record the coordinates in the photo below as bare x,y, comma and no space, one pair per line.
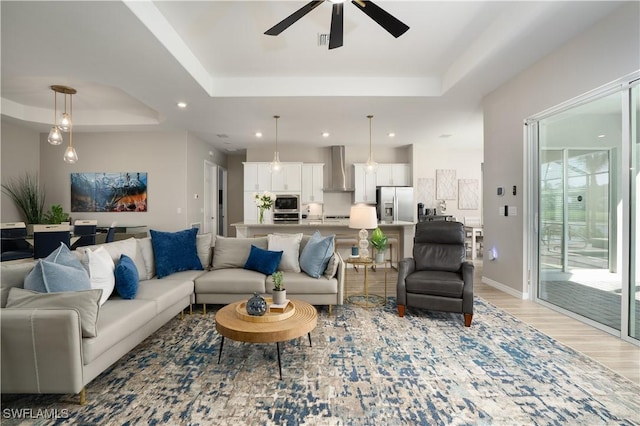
634,275
587,248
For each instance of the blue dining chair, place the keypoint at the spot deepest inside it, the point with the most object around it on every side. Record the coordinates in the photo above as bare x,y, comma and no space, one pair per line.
47,238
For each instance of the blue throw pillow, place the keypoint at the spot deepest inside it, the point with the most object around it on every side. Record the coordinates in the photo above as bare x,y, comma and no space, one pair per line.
126,277
175,251
264,261
316,254
60,271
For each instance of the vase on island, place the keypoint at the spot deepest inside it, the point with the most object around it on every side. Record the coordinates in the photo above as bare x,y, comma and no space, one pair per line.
261,216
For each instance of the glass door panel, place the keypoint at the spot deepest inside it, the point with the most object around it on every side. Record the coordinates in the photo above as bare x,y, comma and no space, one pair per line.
634,276
579,205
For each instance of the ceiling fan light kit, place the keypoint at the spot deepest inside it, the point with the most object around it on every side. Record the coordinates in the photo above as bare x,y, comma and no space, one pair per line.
394,26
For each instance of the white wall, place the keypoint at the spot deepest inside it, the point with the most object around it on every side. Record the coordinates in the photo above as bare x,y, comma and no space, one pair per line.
429,157
173,160
197,152
20,155
603,53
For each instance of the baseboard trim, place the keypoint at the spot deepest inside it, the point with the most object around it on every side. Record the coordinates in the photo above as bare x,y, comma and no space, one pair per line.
505,288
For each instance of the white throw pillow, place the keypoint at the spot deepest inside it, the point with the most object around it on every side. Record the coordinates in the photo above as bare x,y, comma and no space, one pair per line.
290,246
130,248
100,266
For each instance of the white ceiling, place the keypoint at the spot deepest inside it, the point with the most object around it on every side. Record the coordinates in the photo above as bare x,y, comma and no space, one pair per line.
132,61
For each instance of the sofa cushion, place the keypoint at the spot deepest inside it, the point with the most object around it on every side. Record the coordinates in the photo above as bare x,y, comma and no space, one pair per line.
332,267
301,283
165,292
175,251
234,252
146,250
230,281
203,247
87,303
117,248
290,246
101,271
126,278
13,275
264,261
316,254
118,319
60,271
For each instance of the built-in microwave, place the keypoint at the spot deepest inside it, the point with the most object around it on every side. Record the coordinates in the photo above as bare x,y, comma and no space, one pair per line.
287,204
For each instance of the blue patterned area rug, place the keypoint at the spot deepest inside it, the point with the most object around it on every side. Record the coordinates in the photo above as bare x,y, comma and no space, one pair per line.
366,367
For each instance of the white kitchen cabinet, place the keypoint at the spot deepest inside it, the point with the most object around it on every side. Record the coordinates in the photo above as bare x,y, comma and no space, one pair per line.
250,208
257,177
393,174
312,183
364,184
288,180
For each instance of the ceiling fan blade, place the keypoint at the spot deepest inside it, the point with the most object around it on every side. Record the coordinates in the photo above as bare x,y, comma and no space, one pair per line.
291,19
394,26
337,24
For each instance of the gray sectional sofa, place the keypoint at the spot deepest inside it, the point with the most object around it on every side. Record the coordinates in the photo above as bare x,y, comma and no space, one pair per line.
44,351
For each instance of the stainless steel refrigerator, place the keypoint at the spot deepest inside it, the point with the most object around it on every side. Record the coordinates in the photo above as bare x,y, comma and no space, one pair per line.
394,203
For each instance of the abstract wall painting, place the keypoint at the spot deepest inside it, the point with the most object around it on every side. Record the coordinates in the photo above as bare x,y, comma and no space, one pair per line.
109,192
468,190
446,188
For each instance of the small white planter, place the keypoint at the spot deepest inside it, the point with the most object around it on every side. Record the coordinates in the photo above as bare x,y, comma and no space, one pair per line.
279,297
379,257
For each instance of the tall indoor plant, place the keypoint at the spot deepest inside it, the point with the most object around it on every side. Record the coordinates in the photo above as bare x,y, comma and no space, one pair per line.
28,196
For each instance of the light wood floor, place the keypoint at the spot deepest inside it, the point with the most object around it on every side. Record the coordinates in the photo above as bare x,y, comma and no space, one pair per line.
611,351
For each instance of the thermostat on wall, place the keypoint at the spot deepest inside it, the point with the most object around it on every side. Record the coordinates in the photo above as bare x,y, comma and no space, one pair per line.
500,191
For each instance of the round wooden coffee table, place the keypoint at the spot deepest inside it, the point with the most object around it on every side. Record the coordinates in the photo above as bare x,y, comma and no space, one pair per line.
230,323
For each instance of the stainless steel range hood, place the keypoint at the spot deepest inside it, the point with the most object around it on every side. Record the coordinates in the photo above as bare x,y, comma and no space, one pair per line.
338,180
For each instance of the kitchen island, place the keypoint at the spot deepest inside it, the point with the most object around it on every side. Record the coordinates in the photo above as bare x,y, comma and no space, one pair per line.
402,230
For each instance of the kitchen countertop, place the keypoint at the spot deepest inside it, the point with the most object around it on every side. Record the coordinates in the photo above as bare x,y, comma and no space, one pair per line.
312,223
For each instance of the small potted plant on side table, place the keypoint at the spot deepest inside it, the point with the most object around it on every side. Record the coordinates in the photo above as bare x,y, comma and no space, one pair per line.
379,242
279,293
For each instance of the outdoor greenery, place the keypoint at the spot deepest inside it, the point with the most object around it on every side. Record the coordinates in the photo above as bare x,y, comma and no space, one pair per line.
28,196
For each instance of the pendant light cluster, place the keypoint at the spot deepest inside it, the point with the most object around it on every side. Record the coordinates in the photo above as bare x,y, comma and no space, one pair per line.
275,166
371,166
64,123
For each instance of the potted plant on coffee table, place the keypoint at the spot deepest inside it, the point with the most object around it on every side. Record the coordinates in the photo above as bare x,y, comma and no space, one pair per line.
279,293
379,242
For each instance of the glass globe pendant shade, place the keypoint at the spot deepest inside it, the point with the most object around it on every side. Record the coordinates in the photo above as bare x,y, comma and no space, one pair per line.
55,137
371,166
70,155
65,122
275,166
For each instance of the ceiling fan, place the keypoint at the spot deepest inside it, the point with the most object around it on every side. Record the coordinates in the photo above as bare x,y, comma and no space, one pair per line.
394,26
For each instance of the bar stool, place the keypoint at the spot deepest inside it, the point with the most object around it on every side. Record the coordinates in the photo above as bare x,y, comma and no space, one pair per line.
393,240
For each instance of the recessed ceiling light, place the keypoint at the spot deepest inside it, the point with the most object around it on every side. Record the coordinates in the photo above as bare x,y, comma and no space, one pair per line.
258,134
602,136
182,104
392,135
325,134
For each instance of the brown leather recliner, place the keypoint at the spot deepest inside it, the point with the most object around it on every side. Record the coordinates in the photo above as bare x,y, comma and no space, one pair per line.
437,277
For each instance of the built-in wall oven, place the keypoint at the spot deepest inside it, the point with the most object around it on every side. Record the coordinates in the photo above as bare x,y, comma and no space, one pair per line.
286,209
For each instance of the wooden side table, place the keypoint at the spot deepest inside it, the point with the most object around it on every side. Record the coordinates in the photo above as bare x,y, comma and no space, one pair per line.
369,299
